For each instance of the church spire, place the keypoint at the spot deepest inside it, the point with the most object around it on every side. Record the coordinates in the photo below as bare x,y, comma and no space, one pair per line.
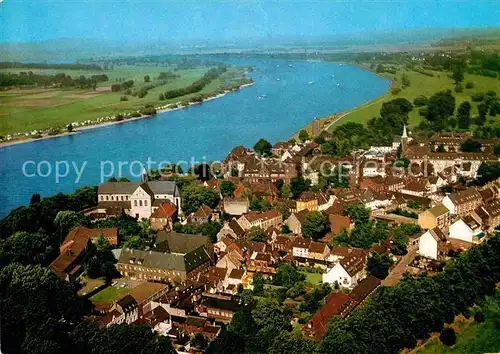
144,176
405,135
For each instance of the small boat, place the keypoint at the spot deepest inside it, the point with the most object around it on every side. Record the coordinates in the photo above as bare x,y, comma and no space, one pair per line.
310,82
278,79
289,65
338,85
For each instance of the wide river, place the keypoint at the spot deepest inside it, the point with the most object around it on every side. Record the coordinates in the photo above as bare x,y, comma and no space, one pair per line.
286,96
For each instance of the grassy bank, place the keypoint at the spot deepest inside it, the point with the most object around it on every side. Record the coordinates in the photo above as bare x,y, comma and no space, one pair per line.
39,108
420,84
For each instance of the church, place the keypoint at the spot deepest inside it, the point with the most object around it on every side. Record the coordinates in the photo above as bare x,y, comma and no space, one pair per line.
425,152
137,199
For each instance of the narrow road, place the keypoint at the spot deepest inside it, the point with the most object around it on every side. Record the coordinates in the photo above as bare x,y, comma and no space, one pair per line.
397,272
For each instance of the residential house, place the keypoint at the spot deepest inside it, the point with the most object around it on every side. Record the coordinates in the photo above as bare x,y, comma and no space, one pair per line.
232,230
138,200
488,215
307,200
463,202
466,229
68,264
300,247
419,188
236,206
438,216
280,147
339,304
431,242
201,216
270,218
336,304
164,217
348,271
339,223
127,309
295,220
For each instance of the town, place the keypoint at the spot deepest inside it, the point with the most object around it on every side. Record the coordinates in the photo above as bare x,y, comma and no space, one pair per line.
284,228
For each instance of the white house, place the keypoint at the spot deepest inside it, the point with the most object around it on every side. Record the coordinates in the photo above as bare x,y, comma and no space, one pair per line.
429,242
466,229
347,272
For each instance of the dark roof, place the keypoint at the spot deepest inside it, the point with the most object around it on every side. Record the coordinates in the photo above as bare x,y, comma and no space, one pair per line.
238,230
153,187
127,302
175,242
222,304
236,274
118,187
162,260
364,288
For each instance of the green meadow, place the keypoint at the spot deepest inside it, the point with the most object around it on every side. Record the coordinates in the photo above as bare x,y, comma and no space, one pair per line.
420,84
24,110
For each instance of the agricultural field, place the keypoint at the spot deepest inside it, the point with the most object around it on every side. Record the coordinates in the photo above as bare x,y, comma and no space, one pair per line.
421,84
472,337
23,110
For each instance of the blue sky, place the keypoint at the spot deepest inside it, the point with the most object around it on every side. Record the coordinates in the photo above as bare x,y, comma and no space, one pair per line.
143,20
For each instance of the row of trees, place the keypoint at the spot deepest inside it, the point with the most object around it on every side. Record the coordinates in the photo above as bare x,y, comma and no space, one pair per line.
31,79
197,85
396,317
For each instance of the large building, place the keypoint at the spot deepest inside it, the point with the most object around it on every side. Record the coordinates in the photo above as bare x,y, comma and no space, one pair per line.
176,257
138,200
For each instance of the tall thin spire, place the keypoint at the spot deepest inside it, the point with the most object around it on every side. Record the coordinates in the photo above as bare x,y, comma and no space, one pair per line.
405,135
144,176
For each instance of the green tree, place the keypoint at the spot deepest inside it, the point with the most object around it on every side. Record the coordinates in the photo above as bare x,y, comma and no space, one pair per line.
448,336
378,265
285,191
147,78
26,248
287,275
482,110
463,115
161,97
303,135
458,74
358,213
70,128
471,145
440,107
263,147
35,198
298,185
315,225
256,234
66,221
291,343
227,188
194,196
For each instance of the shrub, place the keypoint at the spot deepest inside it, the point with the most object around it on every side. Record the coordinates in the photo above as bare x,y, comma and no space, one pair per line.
123,98
395,90
459,88
420,101
478,97
469,85
423,111
479,317
448,336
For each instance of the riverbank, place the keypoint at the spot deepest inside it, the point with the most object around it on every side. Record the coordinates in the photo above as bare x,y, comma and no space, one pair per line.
327,122
77,130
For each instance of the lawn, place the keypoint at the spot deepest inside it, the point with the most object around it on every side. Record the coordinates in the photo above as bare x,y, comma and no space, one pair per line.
30,109
110,294
421,85
313,278
473,338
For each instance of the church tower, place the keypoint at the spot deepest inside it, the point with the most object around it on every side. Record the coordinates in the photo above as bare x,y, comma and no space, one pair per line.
404,140
144,176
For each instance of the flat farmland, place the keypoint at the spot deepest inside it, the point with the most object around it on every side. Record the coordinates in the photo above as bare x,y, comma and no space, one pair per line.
23,110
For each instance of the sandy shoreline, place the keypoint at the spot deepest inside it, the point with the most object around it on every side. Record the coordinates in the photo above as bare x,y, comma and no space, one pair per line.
105,124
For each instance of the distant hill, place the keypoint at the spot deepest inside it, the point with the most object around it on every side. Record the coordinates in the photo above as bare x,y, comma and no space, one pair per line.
72,49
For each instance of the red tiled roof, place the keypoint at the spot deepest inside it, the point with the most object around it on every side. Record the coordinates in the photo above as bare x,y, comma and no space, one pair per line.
338,223
165,210
335,304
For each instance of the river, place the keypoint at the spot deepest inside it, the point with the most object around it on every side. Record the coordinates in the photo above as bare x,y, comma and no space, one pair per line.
286,96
